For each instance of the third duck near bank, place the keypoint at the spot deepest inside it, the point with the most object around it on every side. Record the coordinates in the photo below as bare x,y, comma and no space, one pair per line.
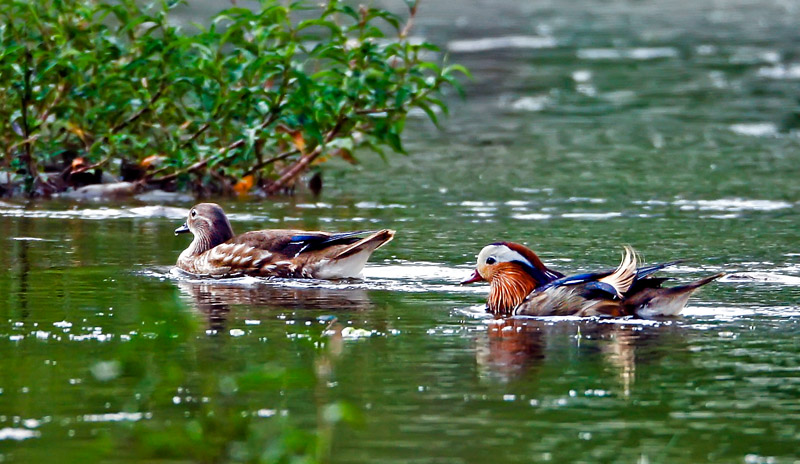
520,284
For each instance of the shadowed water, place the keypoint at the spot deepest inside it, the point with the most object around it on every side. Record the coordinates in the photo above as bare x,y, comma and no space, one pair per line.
587,126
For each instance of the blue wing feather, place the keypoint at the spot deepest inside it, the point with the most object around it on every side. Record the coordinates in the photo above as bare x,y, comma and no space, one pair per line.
315,242
602,287
645,271
576,279
320,239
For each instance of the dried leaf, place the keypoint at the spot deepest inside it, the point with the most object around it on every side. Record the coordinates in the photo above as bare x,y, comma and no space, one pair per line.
244,185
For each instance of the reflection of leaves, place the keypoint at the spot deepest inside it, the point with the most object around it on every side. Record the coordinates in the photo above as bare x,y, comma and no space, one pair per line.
342,411
230,412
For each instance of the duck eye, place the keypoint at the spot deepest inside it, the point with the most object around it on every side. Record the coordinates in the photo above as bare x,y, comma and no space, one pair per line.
194,212
490,260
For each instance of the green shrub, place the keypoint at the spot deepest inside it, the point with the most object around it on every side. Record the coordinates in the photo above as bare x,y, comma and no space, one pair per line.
253,97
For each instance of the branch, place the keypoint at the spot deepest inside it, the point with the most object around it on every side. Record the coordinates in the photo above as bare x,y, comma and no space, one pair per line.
28,140
238,143
302,164
30,163
194,167
198,133
412,11
121,126
137,114
275,158
61,91
293,171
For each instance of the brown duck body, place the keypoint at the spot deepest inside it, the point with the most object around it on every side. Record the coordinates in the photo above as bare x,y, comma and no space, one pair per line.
523,286
577,300
215,251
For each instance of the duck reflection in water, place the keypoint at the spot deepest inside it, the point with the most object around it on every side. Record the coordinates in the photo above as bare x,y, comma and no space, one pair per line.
214,299
513,347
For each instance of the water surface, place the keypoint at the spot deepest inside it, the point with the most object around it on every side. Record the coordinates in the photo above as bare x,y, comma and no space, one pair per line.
588,125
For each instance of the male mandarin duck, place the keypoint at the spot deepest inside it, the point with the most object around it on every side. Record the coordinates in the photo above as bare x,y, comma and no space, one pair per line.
215,251
520,284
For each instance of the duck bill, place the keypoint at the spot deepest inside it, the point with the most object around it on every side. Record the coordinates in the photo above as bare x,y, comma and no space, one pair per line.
475,277
182,229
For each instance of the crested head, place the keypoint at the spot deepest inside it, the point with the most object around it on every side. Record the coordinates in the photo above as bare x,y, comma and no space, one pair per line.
513,271
209,225
493,259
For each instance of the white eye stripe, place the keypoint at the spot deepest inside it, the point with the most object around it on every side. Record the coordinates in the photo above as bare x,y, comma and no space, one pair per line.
501,254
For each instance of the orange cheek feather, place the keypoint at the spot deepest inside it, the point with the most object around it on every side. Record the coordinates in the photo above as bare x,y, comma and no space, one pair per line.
510,284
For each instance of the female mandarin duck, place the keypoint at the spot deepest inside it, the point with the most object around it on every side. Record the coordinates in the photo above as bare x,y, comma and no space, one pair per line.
215,251
522,285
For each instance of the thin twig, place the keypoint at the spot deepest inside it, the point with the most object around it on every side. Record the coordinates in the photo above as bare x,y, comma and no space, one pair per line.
29,140
137,114
198,133
302,164
275,158
194,167
132,118
293,171
30,163
412,11
59,95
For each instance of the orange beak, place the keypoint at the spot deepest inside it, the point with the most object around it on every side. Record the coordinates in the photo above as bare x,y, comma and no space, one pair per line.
475,277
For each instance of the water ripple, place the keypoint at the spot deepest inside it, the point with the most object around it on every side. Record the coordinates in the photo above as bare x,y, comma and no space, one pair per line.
641,53
495,43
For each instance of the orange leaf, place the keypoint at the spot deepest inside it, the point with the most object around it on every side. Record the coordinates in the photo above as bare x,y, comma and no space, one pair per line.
152,160
346,155
244,185
78,163
297,137
299,142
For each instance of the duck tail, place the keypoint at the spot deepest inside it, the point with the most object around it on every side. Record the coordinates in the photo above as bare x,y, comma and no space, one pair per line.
698,283
367,244
670,301
622,278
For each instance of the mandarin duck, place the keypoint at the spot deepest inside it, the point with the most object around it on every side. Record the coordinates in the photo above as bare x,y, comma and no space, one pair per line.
520,284
215,251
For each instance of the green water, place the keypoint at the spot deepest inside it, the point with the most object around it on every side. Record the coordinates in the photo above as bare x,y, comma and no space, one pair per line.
651,123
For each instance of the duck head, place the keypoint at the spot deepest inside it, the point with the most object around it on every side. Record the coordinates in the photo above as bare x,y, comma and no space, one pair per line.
513,271
209,225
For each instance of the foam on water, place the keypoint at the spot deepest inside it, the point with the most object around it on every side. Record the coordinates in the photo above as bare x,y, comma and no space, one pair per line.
99,213
18,434
532,216
762,277
781,71
641,53
496,43
592,216
527,103
758,129
732,204
413,277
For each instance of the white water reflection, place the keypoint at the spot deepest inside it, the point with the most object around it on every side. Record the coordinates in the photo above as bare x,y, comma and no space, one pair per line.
495,43
18,434
641,53
732,204
781,71
758,129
